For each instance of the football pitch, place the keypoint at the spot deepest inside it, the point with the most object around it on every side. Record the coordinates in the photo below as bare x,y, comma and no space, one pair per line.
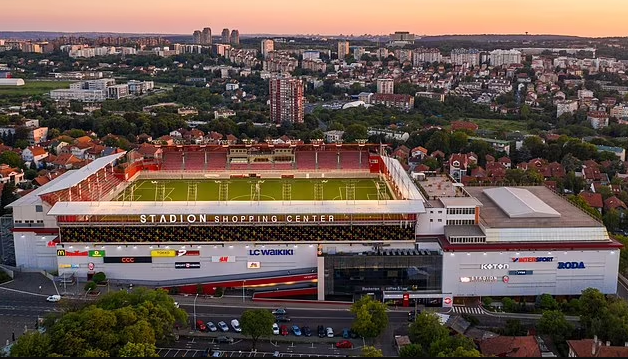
247,189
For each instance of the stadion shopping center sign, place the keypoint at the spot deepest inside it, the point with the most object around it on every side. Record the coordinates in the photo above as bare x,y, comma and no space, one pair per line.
204,218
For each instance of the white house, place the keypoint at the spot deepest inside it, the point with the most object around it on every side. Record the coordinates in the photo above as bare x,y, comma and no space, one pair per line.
34,154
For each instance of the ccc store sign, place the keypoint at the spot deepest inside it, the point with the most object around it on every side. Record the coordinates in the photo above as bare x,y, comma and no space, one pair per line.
128,260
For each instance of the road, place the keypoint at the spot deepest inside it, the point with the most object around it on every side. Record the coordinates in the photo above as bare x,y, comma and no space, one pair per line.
18,310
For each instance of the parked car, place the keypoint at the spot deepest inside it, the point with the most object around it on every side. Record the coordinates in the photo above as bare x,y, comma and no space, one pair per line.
211,326
296,330
284,330
275,329
306,331
176,304
223,326
217,354
321,331
276,353
280,311
345,344
329,332
223,339
282,319
236,325
53,298
353,334
201,326
345,333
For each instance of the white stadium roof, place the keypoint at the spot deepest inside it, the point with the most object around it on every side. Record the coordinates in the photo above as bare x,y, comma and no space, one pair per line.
237,207
72,178
520,203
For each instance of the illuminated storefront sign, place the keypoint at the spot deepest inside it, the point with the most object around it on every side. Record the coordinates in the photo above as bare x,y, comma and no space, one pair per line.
223,259
520,272
489,266
128,260
64,253
69,266
571,265
187,265
204,218
253,265
97,253
271,252
475,279
532,259
187,252
163,253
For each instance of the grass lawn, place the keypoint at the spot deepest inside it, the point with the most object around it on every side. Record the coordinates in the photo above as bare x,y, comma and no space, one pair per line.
241,189
500,125
33,88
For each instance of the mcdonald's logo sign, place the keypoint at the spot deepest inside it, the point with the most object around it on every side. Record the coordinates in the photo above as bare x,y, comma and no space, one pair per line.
65,253
128,260
61,252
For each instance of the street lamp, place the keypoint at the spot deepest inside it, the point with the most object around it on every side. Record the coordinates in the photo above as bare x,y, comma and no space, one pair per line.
86,292
196,297
243,295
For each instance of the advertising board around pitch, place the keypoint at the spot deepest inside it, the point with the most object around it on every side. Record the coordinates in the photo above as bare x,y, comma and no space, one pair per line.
187,265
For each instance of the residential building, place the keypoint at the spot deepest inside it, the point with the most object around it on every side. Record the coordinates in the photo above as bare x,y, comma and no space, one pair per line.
389,134
402,38
206,36
333,136
466,57
386,86
403,102
268,46
598,119
34,154
311,55
117,92
358,52
620,152
423,55
37,135
504,57
196,37
225,36
620,111
382,53
10,174
595,348
316,65
235,37
567,106
343,49
286,100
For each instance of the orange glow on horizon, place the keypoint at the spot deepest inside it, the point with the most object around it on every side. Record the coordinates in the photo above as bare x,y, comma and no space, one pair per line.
327,17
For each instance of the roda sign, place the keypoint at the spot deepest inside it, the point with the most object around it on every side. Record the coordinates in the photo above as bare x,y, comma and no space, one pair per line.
571,265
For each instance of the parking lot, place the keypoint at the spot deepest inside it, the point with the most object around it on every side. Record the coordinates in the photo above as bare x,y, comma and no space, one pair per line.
188,353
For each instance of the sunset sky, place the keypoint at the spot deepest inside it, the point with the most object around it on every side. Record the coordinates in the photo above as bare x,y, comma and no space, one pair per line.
329,17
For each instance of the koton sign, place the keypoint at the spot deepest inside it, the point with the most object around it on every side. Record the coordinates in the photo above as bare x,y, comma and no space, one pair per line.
489,266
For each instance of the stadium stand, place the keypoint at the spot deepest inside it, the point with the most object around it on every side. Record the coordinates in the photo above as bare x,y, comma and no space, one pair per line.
238,166
351,160
283,166
216,161
306,160
173,161
327,160
130,234
194,161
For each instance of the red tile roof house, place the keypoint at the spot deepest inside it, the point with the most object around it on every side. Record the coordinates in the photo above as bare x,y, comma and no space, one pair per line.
594,348
518,347
593,199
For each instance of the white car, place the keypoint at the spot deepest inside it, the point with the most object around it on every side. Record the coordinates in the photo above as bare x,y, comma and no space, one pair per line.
223,326
236,325
211,327
275,329
53,298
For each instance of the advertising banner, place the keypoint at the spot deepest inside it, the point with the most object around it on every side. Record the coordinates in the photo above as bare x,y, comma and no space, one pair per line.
128,260
223,259
187,265
163,253
253,265
97,253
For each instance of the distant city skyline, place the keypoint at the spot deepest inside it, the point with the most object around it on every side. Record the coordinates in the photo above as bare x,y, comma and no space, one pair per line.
325,17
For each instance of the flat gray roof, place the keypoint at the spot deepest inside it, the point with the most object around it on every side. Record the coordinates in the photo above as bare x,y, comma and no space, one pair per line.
464,231
492,216
237,207
520,203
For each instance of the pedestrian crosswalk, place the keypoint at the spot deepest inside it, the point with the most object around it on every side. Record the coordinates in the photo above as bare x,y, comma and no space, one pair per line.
467,310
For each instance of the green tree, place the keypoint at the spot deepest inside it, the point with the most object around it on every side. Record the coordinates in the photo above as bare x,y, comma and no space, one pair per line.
547,302
554,324
427,329
411,351
611,219
90,286
95,353
355,132
371,351
257,323
432,163
138,350
439,140
514,328
371,318
99,277
11,158
32,344
447,345
593,305
458,141
461,352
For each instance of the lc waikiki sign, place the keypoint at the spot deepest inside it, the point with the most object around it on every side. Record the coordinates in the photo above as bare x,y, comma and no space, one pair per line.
204,218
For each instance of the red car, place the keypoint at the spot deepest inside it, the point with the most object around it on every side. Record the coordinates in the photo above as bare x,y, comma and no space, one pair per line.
284,330
201,326
344,344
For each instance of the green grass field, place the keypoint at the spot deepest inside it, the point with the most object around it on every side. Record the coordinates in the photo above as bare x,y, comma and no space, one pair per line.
241,190
33,88
500,125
